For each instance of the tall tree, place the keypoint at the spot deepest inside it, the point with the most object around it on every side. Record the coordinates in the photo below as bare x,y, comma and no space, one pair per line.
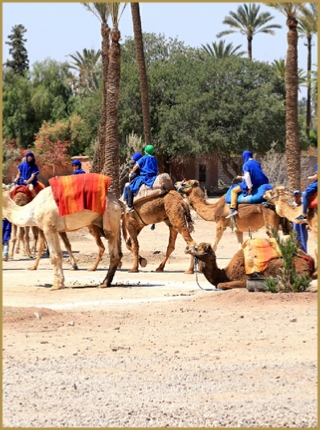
87,65
280,68
101,11
249,22
137,30
20,62
111,165
221,50
307,27
290,10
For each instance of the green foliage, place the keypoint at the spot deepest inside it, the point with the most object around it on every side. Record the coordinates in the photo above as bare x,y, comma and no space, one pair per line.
20,62
10,153
221,50
18,114
287,279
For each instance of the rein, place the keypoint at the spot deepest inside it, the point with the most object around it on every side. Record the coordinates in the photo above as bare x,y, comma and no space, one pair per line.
195,263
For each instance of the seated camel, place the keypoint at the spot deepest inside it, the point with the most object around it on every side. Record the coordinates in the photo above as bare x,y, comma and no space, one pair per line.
234,275
250,217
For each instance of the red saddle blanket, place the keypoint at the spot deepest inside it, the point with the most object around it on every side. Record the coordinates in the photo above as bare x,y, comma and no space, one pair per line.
21,189
74,193
313,201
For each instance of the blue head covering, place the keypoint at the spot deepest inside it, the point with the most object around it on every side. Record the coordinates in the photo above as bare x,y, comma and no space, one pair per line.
136,156
31,154
76,163
246,155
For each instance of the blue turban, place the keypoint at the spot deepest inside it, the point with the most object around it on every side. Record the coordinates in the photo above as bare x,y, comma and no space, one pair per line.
246,155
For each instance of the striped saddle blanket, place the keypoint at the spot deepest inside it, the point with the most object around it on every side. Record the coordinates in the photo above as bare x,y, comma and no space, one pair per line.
74,193
258,253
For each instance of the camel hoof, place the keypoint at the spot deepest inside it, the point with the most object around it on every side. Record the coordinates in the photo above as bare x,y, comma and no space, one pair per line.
91,269
189,272
159,269
119,265
74,267
143,262
133,271
32,268
53,288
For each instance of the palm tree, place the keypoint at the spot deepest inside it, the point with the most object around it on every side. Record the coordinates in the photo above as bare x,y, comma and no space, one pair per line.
249,22
88,68
280,68
290,10
101,11
307,27
111,165
221,50
137,30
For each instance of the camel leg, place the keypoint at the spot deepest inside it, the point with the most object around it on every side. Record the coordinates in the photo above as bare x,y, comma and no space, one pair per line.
220,228
13,240
239,235
172,240
95,232
232,284
42,243
35,232
133,245
52,239
113,235
27,242
67,245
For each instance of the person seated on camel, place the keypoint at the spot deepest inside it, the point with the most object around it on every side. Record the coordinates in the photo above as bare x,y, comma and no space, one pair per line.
311,189
136,156
149,170
28,172
77,168
253,177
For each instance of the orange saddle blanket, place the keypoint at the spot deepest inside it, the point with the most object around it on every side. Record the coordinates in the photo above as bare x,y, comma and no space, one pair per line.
74,193
258,253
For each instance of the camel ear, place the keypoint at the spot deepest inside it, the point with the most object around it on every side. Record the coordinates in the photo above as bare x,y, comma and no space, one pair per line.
194,183
208,248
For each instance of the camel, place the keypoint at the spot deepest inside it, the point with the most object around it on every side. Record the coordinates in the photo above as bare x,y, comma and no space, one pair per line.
169,208
251,217
22,233
234,275
43,213
282,200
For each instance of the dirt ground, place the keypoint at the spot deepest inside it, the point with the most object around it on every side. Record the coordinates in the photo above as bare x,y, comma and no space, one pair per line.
155,349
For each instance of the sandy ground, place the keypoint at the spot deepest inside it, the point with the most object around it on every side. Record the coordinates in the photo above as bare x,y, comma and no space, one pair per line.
156,349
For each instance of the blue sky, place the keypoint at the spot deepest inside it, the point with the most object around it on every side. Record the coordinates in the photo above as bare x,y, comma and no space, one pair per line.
56,30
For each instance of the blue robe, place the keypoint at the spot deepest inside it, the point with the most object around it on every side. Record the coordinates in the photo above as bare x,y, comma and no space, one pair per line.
6,230
148,165
257,176
26,170
78,172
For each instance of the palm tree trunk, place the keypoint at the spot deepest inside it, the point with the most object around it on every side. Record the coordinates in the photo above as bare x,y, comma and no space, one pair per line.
99,154
111,165
250,47
308,117
292,132
135,10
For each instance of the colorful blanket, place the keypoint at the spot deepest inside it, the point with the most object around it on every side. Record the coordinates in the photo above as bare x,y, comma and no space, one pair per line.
258,253
74,193
254,198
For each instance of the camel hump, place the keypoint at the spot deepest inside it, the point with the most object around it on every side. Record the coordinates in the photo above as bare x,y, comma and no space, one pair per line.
161,185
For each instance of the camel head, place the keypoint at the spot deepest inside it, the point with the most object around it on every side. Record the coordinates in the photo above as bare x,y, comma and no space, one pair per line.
200,250
184,187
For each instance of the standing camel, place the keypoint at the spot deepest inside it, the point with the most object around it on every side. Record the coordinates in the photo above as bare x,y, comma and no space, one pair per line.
250,217
43,212
169,208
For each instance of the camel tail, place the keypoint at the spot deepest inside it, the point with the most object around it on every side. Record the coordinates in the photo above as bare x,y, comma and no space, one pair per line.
188,217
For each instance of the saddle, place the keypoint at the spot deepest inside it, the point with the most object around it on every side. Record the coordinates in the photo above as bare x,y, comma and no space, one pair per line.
313,201
254,198
258,253
162,184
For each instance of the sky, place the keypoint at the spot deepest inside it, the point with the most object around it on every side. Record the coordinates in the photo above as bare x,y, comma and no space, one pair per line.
56,30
